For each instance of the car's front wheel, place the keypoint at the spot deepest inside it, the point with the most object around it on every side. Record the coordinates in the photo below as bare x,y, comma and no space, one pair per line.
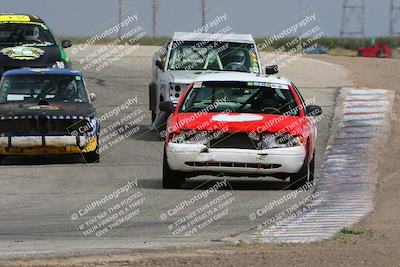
306,173
171,179
93,156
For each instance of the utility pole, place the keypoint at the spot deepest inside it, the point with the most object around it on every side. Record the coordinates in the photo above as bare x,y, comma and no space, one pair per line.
300,15
394,17
119,17
353,18
6,5
203,12
154,17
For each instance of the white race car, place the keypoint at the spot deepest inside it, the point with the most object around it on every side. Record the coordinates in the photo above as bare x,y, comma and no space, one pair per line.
187,55
241,125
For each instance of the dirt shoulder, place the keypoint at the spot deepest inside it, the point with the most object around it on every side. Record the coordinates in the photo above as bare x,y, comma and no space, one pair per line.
379,73
375,241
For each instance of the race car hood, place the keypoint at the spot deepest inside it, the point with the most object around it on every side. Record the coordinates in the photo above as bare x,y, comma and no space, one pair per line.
239,122
186,76
27,56
57,109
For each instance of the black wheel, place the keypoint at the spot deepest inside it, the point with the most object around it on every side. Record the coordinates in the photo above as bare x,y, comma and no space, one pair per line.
160,125
153,116
161,132
94,156
312,169
171,179
152,100
306,174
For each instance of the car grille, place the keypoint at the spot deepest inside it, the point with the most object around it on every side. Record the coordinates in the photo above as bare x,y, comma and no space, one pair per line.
232,164
45,125
235,140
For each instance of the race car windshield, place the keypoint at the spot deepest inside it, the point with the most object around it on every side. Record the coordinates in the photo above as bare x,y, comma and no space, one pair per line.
37,88
221,56
25,34
239,98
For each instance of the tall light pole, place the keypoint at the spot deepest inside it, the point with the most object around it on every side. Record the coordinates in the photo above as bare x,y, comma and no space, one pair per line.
154,17
203,12
300,15
119,17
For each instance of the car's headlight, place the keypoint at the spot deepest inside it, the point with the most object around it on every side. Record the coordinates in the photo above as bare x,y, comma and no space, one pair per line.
176,90
191,137
59,65
280,140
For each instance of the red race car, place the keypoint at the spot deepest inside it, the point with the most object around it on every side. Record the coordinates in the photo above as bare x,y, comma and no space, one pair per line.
240,124
383,51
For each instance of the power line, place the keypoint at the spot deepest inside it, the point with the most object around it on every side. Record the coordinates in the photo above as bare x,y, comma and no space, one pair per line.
353,18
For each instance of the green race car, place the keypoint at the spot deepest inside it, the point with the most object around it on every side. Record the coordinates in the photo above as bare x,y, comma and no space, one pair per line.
27,42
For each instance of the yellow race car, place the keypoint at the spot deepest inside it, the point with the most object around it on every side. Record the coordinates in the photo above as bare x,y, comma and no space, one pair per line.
47,112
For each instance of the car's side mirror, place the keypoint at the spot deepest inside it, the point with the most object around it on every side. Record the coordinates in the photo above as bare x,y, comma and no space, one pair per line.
159,64
66,43
167,106
271,69
313,110
92,97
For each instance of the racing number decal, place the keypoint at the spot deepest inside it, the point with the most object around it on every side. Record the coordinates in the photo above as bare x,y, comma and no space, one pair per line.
18,18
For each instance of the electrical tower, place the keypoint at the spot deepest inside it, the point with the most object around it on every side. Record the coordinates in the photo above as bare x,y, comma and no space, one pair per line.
353,18
394,17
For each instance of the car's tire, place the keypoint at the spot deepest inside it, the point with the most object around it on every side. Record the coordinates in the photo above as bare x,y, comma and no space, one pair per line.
153,116
161,133
306,173
171,179
161,128
152,100
93,156
312,169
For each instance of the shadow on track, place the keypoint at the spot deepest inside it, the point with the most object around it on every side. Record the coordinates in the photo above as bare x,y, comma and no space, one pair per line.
233,184
43,160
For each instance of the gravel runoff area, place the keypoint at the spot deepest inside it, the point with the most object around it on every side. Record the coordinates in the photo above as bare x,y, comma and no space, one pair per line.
374,241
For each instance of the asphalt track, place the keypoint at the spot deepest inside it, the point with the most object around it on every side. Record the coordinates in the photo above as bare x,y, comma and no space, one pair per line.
38,197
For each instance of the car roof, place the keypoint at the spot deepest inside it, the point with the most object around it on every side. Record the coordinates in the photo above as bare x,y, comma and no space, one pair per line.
241,77
19,17
192,36
41,72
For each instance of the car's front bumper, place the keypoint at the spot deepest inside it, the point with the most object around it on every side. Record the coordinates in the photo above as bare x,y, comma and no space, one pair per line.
199,158
46,145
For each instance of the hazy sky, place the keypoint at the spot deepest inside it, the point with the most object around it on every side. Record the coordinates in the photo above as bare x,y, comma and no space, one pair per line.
81,17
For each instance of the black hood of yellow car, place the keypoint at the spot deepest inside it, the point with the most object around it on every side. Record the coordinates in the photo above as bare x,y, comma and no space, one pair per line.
28,56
